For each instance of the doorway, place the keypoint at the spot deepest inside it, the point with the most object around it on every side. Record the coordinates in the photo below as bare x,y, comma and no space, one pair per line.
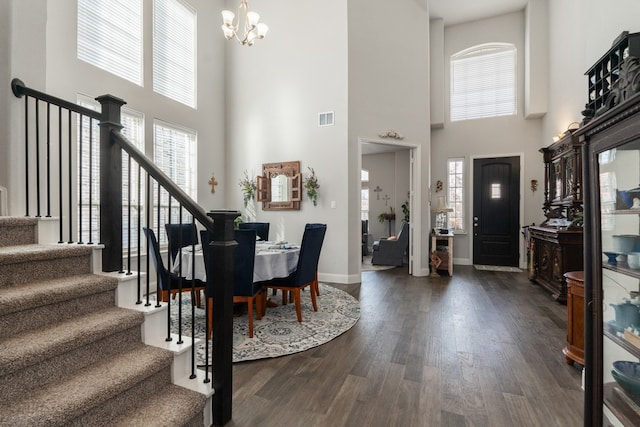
496,211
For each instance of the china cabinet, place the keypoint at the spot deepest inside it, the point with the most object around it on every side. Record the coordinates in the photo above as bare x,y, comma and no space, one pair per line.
612,241
557,247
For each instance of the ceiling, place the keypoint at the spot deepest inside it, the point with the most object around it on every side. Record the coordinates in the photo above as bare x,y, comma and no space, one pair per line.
458,11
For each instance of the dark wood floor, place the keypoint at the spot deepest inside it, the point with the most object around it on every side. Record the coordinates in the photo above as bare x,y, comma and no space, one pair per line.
478,349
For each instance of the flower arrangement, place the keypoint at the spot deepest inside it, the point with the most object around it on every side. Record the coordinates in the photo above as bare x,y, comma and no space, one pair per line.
248,188
311,185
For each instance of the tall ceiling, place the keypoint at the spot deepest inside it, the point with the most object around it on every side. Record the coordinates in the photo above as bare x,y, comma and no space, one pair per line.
458,11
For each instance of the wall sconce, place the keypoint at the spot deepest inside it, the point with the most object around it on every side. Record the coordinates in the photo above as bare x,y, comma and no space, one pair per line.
534,185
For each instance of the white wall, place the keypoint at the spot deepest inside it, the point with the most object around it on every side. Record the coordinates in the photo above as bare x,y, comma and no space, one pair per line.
5,90
389,172
500,136
389,89
275,90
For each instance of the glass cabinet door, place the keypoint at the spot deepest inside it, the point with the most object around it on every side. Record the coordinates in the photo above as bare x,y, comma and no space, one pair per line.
619,197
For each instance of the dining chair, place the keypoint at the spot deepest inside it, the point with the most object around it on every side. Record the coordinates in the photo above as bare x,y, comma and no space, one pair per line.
244,289
306,271
262,228
180,235
170,283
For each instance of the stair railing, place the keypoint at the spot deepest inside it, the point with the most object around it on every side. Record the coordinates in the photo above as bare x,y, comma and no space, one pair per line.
53,186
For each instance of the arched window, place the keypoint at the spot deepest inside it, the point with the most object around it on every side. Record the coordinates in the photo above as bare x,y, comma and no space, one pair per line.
483,82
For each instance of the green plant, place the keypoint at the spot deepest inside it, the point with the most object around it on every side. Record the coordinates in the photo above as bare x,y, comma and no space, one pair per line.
387,216
405,209
311,185
248,188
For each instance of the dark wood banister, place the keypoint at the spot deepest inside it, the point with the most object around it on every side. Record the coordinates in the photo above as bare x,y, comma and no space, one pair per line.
165,182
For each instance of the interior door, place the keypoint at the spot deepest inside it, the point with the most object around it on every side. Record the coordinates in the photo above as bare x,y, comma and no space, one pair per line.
496,211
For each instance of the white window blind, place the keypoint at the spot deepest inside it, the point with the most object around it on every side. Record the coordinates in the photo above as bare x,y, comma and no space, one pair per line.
174,153
174,51
483,82
110,36
455,189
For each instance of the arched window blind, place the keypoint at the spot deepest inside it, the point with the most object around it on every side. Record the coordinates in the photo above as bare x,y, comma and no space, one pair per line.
483,82
174,51
110,36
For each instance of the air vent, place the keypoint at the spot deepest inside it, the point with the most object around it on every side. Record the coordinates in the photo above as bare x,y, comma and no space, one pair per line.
325,119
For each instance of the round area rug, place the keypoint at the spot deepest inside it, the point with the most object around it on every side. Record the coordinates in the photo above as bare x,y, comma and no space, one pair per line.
279,333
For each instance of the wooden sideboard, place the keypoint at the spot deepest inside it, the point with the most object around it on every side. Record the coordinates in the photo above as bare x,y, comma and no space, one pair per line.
574,350
555,252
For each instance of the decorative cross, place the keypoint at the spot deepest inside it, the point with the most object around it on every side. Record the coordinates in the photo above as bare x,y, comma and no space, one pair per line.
377,190
213,182
386,199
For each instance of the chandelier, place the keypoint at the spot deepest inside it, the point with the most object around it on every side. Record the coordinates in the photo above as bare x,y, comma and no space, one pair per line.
253,29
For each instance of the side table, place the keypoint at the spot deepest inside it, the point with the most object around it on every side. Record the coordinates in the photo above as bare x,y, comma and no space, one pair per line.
446,256
574,350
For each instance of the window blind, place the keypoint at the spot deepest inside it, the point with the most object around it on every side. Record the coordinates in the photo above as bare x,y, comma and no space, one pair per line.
483,82
174,51
110,36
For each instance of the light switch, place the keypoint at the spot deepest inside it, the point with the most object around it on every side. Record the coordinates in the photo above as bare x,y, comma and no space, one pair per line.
333,204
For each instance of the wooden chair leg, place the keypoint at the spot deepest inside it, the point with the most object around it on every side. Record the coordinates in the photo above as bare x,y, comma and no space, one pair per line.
314,302
259,305
315,283
284,297
210,321
164,296
250,315
296,297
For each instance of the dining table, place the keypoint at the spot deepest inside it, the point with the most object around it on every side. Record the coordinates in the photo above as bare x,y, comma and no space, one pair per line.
272,260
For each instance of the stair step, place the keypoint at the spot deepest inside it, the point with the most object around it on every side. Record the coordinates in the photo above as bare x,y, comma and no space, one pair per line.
91,388
27,263
174,406
34,305
18,230
27,349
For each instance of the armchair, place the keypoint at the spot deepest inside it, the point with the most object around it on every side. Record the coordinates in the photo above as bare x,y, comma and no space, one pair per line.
391,251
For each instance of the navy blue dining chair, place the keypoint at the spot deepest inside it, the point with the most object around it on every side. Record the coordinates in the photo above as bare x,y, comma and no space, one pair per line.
168,282
180,235
306,270
262,228
244,289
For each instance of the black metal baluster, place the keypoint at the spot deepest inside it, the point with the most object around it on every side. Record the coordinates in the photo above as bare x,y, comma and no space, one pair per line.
129,215
37,159
80,179
138,229
148,221
70,172
60,203
90,177
180,279
193,305
26,152
48,160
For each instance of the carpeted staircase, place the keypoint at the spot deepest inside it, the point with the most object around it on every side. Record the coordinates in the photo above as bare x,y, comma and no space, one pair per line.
68,355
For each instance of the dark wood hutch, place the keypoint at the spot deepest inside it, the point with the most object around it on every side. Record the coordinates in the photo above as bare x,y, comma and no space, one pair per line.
556,244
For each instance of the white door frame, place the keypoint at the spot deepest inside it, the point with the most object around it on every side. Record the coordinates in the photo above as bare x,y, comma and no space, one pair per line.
415,199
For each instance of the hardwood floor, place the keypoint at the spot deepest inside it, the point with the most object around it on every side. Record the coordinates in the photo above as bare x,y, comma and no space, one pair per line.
479,349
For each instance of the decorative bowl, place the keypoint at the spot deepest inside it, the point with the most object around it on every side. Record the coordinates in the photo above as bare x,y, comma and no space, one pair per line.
628,386
611,257
627,369
633,259
624,242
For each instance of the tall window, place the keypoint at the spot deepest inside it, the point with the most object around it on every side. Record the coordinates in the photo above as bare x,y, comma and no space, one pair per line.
364,194
88,172
455,189
174,51
483,82
174,153
110,36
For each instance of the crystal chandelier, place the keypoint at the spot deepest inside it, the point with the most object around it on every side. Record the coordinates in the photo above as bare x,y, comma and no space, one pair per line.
253,29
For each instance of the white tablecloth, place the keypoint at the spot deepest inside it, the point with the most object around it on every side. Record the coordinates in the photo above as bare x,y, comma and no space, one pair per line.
269,262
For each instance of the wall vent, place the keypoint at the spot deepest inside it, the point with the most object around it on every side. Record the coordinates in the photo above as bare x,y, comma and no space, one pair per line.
325,119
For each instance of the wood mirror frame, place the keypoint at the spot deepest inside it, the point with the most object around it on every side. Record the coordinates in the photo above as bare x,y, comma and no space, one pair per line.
271,170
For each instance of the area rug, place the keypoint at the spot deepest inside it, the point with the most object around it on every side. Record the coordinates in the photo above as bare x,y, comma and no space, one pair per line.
279,333
367,266
498,268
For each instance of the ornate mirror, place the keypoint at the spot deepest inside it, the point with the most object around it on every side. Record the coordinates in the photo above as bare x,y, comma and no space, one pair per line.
280,186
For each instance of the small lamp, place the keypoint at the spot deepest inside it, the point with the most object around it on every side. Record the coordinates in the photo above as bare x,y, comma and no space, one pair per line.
441,211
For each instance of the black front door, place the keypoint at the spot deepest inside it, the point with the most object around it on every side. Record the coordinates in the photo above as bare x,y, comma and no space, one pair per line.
496,211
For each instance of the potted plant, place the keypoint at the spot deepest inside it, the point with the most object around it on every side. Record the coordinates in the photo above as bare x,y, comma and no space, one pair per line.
311,185
248,188
387,216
